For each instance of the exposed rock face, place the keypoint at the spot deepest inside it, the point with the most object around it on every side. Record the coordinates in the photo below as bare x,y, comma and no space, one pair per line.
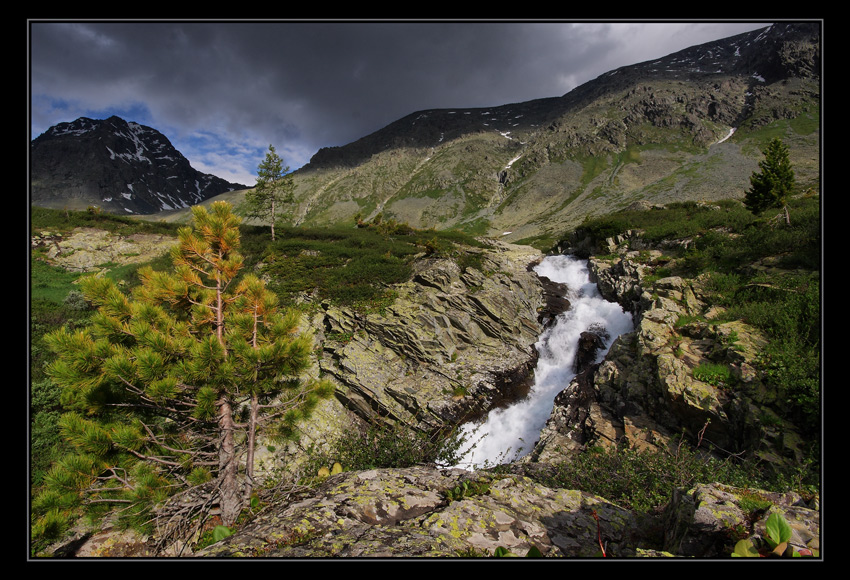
454,344
645,392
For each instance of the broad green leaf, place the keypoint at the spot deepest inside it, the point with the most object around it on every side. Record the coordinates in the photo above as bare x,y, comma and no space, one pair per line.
778,529
745,549
221,532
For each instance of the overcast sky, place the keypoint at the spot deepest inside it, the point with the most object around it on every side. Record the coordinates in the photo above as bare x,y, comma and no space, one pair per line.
223,91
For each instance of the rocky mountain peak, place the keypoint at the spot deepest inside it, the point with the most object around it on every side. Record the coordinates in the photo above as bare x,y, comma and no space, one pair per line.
116,165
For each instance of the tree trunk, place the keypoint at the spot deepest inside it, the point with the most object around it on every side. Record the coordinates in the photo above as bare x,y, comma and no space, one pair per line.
252,439
272,219
231,498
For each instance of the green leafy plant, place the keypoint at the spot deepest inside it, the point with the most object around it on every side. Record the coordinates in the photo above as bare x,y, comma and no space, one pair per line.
467,489
717,375
502,552
325,472
221,532
778,534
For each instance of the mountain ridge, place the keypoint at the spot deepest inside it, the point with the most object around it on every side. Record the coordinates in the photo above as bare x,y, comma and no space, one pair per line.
687,126
744,59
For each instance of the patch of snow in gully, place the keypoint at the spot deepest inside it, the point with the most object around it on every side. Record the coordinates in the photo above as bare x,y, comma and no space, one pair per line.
507,434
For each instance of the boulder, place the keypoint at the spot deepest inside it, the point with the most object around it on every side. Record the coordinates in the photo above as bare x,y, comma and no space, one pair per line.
429,512
703,521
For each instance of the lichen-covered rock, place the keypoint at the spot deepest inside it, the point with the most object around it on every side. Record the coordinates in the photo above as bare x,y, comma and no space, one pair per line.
91,249
454,343
410,512
704,521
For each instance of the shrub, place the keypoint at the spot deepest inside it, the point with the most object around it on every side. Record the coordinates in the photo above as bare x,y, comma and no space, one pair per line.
351,267
378,446
644,480
714,374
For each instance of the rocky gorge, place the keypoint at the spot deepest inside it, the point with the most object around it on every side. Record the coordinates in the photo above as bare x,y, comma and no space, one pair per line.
458,341
642,395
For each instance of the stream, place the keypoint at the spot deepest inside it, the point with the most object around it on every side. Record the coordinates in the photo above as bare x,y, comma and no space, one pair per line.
509,433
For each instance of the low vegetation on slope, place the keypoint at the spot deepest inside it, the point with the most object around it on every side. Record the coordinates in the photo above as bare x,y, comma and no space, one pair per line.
350,266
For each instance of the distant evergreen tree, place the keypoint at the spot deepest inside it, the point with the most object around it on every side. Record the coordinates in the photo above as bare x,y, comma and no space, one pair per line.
168,389
274,189
773,184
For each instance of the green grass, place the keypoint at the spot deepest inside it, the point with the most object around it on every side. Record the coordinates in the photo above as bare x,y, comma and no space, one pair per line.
349,266
50,283
715,374
59,220
50,308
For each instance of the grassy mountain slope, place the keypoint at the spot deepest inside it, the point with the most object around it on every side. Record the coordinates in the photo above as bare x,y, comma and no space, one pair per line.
688,127
587,163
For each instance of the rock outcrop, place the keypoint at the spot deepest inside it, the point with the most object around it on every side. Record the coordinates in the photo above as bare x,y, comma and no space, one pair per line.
649,389
418,512
455,342
92,249
409,513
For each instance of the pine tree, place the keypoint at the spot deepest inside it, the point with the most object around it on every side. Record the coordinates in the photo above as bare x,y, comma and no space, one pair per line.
169,386
275,188
773,184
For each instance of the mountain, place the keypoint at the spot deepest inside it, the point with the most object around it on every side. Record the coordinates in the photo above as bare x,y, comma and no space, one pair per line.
689,126
117,166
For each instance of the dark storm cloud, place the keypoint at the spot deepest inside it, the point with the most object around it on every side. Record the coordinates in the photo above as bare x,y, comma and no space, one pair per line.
222,92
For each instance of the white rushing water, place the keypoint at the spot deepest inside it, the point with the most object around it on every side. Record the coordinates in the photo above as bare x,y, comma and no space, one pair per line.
509,433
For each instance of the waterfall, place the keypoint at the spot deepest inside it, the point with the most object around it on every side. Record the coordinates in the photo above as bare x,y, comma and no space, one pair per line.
507,434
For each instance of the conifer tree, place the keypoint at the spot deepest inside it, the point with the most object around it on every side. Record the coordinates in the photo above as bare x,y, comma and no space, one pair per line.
170,387
773,184
273,190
